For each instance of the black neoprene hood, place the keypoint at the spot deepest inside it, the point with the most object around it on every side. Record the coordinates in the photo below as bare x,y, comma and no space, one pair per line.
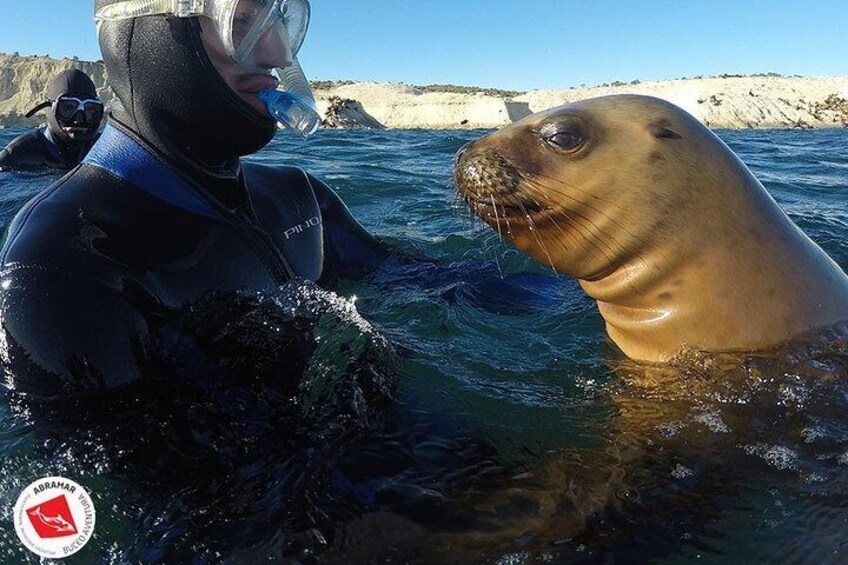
173,99
72,82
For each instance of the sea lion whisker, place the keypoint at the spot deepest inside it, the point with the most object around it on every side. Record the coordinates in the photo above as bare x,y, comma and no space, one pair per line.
497,262
564,233
481,226
495,208
529,177
459,204
565,194
573,188
608,252
508,227
608,241
464,213
612,245
532,182
623,255
535,231
559,228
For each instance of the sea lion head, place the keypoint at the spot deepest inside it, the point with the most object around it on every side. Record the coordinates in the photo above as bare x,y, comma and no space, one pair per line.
665,227
583,186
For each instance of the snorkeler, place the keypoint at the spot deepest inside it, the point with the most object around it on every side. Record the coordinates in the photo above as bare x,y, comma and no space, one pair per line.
162,211
73,113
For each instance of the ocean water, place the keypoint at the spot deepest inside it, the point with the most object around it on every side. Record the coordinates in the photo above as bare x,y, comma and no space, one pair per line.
461,404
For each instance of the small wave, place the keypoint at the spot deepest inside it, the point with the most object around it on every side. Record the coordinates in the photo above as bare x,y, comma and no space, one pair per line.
681,472
712,420
777,456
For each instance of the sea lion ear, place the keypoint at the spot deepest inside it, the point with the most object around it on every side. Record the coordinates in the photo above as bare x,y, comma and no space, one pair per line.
661,129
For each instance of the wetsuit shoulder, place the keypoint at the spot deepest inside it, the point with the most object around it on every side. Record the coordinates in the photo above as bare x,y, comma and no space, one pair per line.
274,185
350,251
67,320
58,228
26,152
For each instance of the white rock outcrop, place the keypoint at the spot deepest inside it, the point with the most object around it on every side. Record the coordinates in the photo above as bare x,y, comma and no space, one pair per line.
406,107
760,101
733,102
343,113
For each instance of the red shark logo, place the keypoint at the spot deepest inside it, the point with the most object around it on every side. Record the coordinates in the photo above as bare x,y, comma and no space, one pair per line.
52,518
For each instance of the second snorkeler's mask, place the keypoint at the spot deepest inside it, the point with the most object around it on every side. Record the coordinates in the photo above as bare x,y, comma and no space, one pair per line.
74,112
248,29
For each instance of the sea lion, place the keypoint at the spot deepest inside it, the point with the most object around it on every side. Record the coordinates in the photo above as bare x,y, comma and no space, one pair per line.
663,225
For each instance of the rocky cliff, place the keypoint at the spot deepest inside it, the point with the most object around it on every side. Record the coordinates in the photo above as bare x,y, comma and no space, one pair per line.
408,107
764,101
343,113
733,102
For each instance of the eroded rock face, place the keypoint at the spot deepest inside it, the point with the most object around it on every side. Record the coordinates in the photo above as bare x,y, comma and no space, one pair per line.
731,102
23,83
735,102
835,106
347,113
399,106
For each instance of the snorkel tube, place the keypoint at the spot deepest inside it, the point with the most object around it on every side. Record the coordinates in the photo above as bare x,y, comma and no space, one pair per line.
294,105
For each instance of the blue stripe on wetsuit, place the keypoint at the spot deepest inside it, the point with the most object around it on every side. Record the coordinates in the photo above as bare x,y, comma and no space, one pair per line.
124,157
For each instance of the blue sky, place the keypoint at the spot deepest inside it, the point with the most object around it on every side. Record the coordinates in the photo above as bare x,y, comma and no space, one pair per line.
516,44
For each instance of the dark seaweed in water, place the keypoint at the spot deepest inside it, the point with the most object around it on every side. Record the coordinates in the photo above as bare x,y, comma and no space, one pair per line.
482,417
238,443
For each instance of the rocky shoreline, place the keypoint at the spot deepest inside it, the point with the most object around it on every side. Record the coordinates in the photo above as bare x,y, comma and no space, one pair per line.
724,102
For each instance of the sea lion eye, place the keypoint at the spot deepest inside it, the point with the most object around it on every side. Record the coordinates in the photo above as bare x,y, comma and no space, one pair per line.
565,140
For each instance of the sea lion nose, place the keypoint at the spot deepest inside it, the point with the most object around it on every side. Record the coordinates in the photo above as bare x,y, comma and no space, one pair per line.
482,171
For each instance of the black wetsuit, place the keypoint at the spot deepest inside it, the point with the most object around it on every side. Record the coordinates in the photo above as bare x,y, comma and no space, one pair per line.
35,151
91,266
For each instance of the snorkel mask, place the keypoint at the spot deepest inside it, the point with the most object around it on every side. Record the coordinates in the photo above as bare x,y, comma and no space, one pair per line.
77,120
244,26
73,112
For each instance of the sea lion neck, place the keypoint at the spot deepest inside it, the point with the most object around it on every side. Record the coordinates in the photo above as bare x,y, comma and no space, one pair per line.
751,285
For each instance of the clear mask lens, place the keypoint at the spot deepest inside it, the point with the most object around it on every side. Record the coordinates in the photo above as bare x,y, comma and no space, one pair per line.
67,108
254,24
240,23
269,33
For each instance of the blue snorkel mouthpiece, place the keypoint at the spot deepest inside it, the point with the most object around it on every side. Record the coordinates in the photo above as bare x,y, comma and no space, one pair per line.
293,105
289,110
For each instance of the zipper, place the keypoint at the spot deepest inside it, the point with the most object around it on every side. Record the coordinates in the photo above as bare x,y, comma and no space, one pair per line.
250,229
246,224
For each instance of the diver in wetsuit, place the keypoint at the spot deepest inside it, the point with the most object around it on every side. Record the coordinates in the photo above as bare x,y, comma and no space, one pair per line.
162,211
74,114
